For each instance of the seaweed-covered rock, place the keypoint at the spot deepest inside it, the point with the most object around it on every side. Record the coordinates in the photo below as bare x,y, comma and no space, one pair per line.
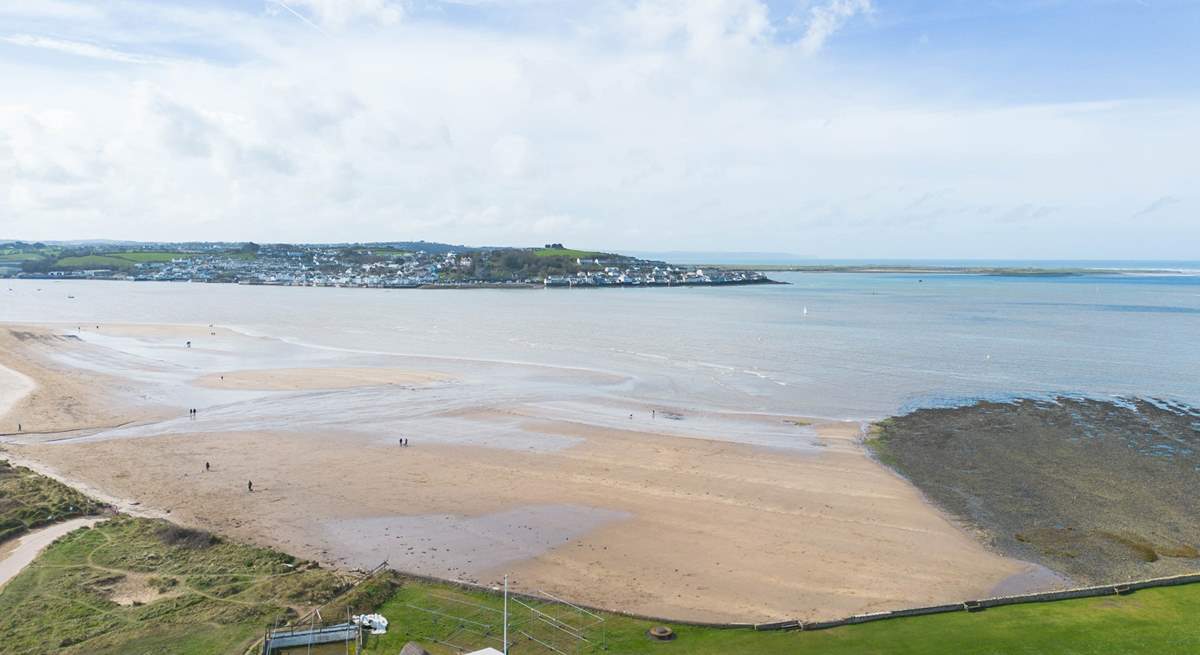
1098,490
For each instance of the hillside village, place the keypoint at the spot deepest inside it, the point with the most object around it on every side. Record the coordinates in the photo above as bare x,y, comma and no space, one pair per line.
384,265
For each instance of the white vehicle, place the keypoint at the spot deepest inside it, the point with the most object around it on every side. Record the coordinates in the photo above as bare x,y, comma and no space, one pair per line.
377,623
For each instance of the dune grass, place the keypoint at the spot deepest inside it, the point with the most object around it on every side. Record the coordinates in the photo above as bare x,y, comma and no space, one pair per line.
29,500
132,585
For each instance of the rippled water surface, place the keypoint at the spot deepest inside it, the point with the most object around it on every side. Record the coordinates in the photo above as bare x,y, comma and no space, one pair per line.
828,344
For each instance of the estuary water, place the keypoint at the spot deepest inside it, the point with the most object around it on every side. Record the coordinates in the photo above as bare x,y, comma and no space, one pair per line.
837,345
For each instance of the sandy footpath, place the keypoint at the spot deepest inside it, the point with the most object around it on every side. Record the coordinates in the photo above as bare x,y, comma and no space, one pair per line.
18,553
680,518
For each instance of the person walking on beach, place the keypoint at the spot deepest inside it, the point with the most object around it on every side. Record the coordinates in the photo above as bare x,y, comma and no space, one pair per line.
250,486
206,467
19,427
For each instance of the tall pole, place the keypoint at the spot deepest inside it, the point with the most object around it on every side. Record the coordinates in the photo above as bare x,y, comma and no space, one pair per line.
505,614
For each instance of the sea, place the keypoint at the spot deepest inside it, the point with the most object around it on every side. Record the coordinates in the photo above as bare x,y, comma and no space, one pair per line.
829,344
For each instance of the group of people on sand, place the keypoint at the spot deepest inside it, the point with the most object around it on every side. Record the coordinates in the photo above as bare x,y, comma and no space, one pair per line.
402,442
249,483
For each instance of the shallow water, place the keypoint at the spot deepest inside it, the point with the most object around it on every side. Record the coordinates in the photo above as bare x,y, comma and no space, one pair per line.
451,546
868,345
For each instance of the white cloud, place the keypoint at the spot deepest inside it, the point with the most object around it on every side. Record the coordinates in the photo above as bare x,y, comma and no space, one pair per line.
339,13
77,48
510,155
825,19
703,25
51,9
650,123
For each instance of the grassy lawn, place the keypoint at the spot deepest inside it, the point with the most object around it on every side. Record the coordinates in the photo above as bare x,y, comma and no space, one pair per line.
29,500
1165,620
131,585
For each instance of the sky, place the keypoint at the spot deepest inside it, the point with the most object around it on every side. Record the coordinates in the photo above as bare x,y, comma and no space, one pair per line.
1017,129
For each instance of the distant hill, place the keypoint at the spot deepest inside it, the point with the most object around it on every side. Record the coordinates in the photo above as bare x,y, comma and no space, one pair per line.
427,246
719,257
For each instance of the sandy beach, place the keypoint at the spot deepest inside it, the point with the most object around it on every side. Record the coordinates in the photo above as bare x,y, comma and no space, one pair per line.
551,475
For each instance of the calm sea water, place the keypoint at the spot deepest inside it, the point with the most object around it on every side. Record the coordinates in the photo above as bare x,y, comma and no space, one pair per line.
828,344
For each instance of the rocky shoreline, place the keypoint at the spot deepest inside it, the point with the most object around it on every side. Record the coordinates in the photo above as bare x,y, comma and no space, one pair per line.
1095,490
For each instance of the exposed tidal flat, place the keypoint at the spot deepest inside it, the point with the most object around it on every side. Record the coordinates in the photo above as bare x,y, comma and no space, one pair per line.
691,453
1099,491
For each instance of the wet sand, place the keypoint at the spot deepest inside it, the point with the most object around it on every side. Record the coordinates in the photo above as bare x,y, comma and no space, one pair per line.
539,472
13,388
296,379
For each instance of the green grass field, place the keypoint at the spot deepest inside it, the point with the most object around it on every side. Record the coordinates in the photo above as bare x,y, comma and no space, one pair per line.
29,500
116,260
1152,621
